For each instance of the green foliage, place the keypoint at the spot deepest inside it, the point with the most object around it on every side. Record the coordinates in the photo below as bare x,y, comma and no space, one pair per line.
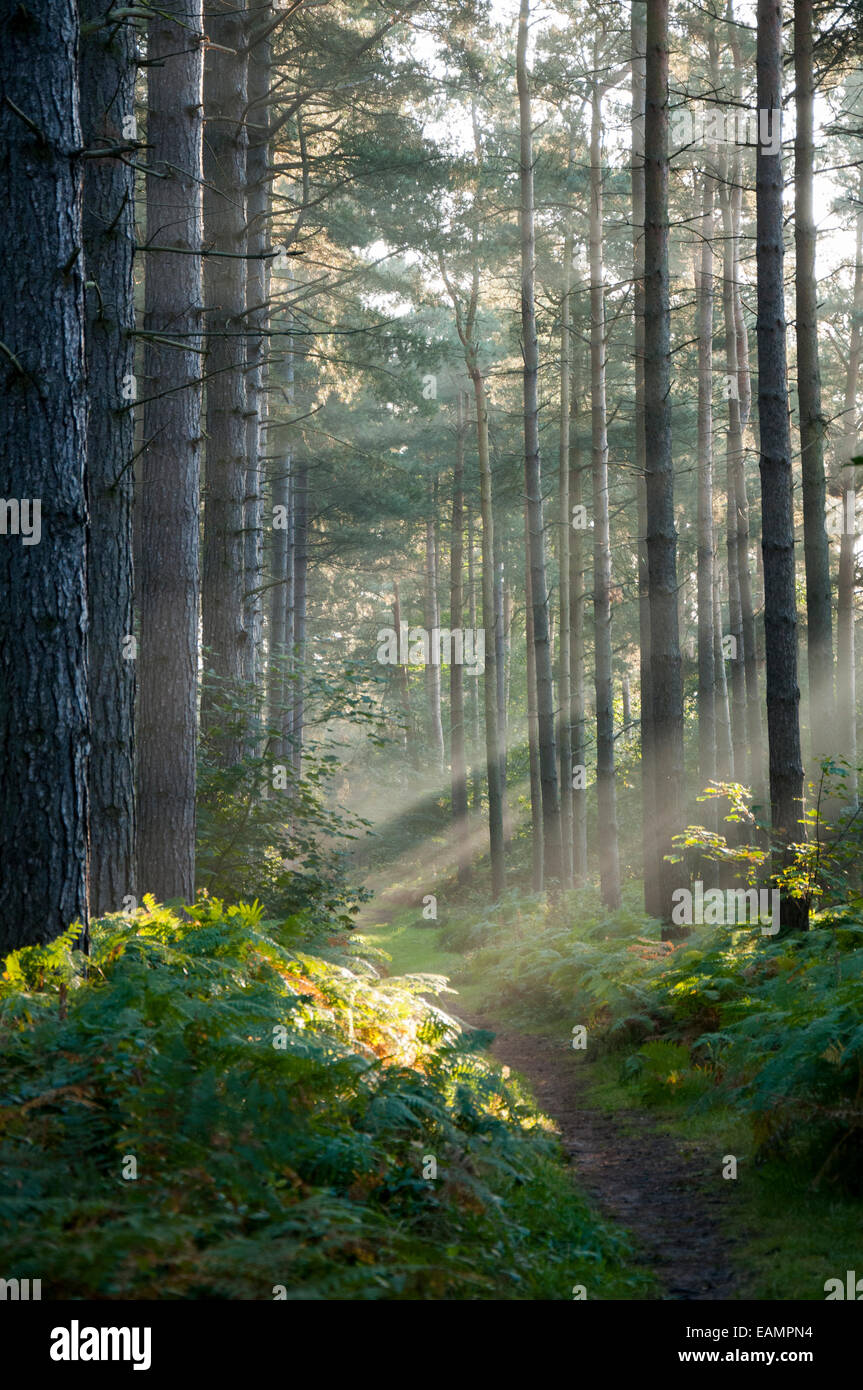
769,1026
264,829
280,1106
665,1073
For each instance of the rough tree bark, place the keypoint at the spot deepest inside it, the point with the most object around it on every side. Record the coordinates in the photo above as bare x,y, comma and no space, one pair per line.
170,463
667,691
108,120
225,637
43,427
777,497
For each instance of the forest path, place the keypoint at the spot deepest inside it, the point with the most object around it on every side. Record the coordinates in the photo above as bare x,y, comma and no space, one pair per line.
635,1174
638,1177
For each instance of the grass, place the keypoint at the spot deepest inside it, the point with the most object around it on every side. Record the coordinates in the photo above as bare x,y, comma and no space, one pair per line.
412,947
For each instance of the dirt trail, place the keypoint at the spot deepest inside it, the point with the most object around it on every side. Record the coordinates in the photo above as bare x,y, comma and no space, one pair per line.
636,1175
670,1201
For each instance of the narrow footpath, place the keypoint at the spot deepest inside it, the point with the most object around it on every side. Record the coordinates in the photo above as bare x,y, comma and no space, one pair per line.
635,1174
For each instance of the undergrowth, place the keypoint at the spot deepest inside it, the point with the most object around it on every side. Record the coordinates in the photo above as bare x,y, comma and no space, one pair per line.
772,1027
210,1108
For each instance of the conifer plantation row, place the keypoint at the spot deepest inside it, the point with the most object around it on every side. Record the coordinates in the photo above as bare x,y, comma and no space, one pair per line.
429,439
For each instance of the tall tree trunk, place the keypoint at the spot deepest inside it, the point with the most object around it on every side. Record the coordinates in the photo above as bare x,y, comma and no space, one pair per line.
661,535
476,779
609,861
300,598
281,583
108,119
816,547
722,712
576,650
532,472
777,505
706,545
500,660
748,625
225,147
403,686
170,463
846,682
432,671
492,740
537,843
43,424
736,535
564,696
626,703
456,675
648,789
257,323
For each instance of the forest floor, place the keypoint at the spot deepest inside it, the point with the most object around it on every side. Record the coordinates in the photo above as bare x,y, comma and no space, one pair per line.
664,1193
636,1175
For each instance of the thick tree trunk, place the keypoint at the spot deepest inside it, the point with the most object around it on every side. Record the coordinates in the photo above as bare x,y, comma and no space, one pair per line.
816,547
609,861
107,120
170,465
666,682
532,473
706,544
43,425
777,496
225,147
